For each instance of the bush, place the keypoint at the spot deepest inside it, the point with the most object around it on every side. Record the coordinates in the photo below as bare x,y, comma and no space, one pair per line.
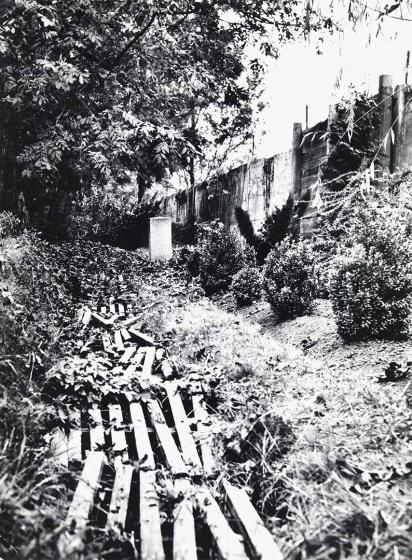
245,225
371,288
117,219
221,255
276,226
288,279
247,286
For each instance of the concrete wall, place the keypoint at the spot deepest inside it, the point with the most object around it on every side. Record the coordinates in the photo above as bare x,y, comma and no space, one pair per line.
262,185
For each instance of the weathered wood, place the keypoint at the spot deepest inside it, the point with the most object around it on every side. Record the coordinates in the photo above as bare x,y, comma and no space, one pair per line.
100,320
87,315
259,539
164,435
143,447
128,353
74,449
120,310
81,505
112,309
96,429
187,443
151,545
141,337
204,434
116,518
125,334
80,314
103,309
118,341
59,447
131,321
184,536
160,352
229,545
149,361
119,442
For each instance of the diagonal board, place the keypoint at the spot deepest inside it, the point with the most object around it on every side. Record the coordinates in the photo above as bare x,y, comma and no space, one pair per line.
82,504
204,434
229,545
259,539
187,443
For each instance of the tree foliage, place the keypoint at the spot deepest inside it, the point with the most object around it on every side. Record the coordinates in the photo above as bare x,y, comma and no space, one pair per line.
93,90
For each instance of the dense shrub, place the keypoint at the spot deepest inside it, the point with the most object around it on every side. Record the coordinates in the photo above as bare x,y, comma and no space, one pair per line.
288,279
371,288
221,255
247,286
117,219
276,226
245,225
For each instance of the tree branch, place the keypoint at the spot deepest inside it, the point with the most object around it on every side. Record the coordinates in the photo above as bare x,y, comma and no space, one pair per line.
133,41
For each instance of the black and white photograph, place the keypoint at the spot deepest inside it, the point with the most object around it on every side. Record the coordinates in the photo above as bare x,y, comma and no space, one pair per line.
205,280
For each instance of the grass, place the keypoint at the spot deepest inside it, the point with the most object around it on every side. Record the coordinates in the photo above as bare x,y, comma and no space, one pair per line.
322,447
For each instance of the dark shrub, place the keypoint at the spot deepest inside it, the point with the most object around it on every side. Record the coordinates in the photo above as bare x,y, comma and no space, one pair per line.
371,288
247,286
221,255
288,279
245,225
276,226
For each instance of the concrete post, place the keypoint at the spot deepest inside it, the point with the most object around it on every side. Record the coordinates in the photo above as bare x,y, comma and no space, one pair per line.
385,107
160,240
397,127
296,160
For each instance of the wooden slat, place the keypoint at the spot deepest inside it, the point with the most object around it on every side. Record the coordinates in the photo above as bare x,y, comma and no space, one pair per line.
103,309
75,437
100,320
149,361
87,316
141,337
112,309
260,540
204,434
131,321
118,434
96,429
82,504
128,353
125,334
116,518
228,543
151,545
144,449
172,453
118,341
121,310
59,447
184,537
187,443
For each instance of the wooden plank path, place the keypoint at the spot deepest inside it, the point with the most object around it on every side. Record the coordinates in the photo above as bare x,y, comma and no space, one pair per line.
134,439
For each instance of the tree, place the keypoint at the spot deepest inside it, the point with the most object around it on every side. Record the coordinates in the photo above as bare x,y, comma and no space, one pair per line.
92,90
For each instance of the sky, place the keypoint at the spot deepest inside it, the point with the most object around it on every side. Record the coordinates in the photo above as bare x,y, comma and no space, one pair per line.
300,77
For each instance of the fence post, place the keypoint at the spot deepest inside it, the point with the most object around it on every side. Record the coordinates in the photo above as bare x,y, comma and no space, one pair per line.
385,108
296,161
397,120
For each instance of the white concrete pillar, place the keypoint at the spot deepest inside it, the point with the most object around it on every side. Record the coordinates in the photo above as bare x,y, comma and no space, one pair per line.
160,238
